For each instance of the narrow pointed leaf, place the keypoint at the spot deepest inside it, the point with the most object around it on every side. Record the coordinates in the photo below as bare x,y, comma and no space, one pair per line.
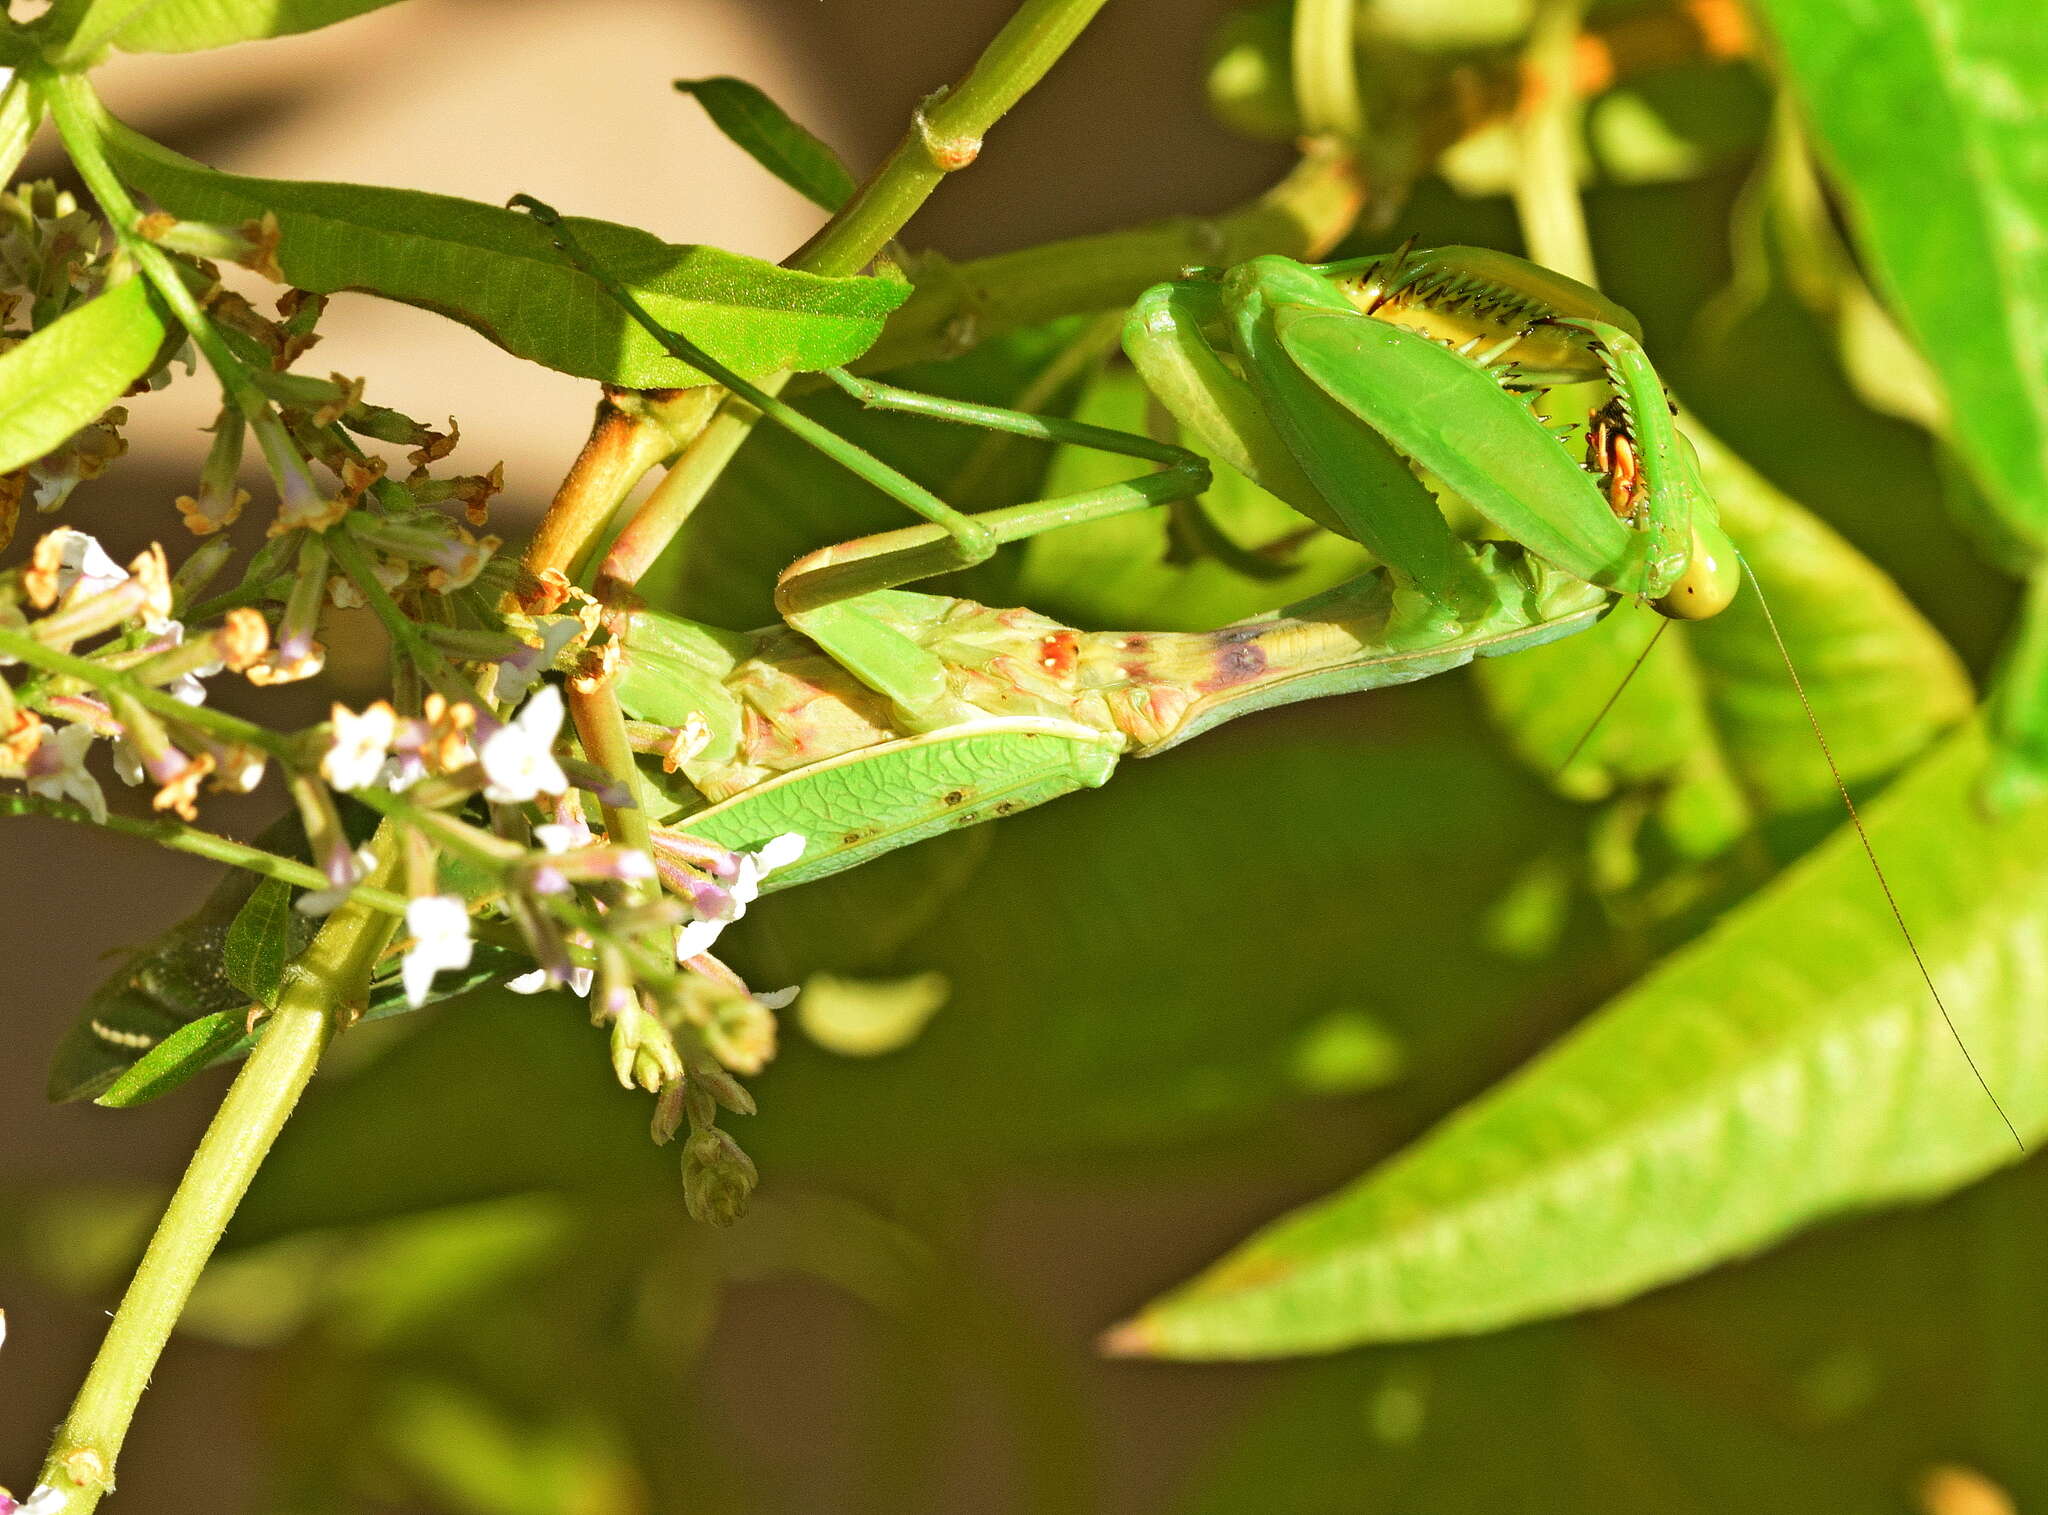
496,271
1786,1067
760,126
264,938
188,1051
1924,111
186,26
66,375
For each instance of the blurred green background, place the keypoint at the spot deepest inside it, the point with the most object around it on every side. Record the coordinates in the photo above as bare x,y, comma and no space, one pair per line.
1229,982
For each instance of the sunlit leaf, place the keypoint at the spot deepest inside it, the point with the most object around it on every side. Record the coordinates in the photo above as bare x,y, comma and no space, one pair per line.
1788,1066
496,271
66,375
1925,112
185,26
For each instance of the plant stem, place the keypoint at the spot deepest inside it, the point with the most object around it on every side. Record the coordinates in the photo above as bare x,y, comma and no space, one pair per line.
601,727
1547,185
333,971
1302,216
403,630
25,648
20,114
944,137
176,836
946,134
633,432
1325,47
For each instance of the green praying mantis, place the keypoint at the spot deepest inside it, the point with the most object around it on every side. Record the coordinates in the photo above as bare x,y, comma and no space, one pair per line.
875,716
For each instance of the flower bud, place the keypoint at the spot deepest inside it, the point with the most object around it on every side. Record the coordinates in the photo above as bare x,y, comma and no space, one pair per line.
718,1178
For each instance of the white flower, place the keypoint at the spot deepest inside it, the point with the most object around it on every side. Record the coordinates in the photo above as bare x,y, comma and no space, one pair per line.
777,852
83,564
439,924
45,1500
696,937
558,836
580,980
355,756
56,770
699,935
519,757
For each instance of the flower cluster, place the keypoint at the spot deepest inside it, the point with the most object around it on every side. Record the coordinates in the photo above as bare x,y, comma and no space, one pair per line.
465,798
49,724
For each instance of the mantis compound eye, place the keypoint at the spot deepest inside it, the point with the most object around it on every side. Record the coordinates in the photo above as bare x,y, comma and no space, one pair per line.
1710,579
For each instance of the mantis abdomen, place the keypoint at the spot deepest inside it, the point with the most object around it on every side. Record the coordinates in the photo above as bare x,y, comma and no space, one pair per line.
761,735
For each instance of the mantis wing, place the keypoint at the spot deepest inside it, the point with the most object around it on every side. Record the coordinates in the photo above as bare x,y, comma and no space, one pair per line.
1448,414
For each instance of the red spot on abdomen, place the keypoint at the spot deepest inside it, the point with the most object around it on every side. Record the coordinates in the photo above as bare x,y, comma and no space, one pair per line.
1058,652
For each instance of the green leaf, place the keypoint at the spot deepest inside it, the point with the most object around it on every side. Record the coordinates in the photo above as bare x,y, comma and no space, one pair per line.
496,271
1921,110
66,375
173,979
1787,1067
760,126
187,26
1804,1383
189,1050
260,943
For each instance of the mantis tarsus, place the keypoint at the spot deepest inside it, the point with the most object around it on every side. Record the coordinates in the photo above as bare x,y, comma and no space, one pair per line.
876,716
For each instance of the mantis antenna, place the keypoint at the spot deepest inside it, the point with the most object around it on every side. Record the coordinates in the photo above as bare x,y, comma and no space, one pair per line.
1619,690
1869,851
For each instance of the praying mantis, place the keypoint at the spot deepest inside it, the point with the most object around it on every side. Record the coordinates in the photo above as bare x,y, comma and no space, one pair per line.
874,716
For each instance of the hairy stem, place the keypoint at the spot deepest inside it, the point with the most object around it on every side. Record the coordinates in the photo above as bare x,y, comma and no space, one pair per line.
601,727
333,973
633,432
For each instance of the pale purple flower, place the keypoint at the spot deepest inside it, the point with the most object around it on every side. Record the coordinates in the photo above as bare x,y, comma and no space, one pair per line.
517,673
344,871
698,936
56,770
